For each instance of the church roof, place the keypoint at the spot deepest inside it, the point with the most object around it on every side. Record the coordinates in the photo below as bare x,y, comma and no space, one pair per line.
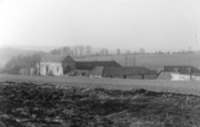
56,58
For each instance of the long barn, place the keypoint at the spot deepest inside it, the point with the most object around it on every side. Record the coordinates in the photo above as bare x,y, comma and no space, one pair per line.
135,72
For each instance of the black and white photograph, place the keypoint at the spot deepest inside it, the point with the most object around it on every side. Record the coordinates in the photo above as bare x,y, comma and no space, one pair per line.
99,63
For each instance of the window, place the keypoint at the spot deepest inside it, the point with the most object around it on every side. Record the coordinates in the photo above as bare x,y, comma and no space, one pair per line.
124,76
57,69
47,69
142,76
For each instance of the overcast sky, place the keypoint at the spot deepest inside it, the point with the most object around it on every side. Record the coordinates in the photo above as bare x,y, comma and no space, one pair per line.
166,25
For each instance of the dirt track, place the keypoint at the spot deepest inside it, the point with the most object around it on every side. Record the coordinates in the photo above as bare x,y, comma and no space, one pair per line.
183,87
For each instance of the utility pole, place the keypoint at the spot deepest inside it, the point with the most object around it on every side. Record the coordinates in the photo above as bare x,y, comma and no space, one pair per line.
189,68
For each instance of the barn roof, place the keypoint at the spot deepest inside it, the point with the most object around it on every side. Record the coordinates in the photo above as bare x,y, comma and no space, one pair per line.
119,71
89,65
56,58
164,76
97,71
181,69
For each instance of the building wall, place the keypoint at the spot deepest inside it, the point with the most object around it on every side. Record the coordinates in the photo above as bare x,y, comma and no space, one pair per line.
179,77
184,77
196,78
125,76
136,76
68,66
43,68
151,76
49,68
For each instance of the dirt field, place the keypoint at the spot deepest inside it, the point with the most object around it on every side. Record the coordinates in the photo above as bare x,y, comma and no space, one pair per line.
32,105
182,87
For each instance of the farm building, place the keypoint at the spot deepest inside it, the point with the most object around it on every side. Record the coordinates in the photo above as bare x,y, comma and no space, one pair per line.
164,76
136,72
89,65
59,65
182,73
83,68
56,65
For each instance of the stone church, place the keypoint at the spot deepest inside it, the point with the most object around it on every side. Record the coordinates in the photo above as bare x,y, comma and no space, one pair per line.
56,65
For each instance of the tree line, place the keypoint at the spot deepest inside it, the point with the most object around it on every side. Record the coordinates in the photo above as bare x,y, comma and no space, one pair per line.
17,63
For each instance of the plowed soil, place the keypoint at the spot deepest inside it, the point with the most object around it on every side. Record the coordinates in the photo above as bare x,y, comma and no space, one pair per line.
32,105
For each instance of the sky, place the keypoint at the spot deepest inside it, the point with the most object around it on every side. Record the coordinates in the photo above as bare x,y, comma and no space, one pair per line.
167,25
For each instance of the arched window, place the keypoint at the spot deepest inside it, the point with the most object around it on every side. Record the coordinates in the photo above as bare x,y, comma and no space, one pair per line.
142,76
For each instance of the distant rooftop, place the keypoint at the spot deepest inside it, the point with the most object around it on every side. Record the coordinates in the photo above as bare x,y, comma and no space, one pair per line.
117,71
56,58
88,65
181,69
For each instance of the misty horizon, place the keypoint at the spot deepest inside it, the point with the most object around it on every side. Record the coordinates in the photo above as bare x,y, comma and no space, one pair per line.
93,49
127,25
